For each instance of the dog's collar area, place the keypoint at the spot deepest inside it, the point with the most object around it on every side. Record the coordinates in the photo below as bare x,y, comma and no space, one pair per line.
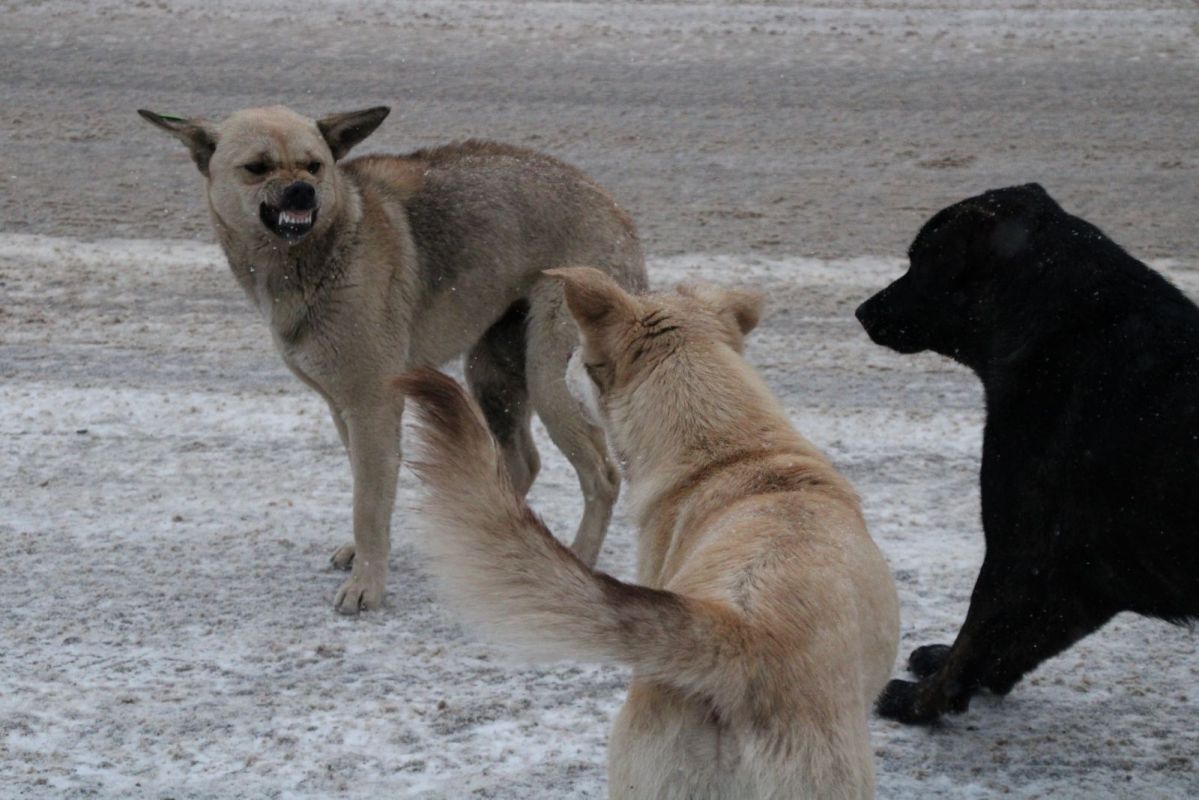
290,224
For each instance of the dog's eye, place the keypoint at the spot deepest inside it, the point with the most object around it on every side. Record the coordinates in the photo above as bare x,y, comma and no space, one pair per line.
314,167
256,168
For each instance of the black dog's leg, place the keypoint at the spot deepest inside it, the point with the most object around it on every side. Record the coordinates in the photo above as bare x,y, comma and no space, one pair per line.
926,660
1014,623
1062,624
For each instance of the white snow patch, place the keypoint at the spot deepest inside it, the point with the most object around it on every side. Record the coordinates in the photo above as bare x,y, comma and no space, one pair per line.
173,494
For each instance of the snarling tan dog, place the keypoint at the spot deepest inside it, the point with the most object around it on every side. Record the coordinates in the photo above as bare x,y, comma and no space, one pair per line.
766,620
369,267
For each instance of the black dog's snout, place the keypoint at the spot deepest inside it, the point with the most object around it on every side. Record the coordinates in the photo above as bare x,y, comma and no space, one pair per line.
860,312
868,314
299,196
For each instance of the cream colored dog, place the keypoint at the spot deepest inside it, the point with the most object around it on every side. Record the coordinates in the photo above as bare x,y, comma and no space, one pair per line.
368,267
766,621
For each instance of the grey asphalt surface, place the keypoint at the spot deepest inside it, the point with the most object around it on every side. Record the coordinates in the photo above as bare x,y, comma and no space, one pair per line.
831,130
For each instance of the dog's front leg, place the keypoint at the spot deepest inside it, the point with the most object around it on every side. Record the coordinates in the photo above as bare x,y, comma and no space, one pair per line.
1019,616
950,675
374,445
343,557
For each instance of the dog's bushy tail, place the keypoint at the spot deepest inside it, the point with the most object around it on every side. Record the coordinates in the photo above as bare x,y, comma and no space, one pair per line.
506,572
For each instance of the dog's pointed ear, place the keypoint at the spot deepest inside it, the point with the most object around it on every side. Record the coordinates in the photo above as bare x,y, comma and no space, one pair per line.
740,308
593,298
743,307
343,131
199,136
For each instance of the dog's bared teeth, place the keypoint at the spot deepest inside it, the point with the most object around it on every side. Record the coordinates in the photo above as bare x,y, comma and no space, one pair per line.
295,217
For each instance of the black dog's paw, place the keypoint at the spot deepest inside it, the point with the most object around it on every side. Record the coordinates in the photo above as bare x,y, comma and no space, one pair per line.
900,702
924,661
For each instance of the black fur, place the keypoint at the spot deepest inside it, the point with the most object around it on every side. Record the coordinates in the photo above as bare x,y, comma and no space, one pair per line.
1090,468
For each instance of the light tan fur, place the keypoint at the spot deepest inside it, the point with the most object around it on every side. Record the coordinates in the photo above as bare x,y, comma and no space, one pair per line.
766,620
408,261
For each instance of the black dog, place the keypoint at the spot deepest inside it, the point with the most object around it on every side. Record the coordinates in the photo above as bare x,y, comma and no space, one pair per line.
1090,468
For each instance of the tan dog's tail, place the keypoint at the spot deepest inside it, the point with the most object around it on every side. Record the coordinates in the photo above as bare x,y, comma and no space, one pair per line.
507,573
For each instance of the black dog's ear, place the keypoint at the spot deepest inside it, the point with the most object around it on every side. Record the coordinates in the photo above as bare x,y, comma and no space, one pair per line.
198,135
343,131
1004,232
1034,190
1021,211
1011,237
1005,221
1028,200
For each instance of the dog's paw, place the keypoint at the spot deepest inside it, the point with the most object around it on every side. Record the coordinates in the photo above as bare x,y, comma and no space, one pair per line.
362,592
900,701
924,661
343,557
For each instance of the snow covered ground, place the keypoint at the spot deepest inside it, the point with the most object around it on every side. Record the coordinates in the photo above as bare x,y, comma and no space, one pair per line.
171,496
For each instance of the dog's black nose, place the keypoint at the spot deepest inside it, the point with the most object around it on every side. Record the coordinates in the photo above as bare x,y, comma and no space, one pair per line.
300,196
860,312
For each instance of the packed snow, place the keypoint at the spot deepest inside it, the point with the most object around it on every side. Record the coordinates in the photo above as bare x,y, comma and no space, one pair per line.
173,495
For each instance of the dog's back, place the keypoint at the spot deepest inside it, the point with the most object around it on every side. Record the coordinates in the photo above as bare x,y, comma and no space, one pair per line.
484,219
782,540
1118,456
468,200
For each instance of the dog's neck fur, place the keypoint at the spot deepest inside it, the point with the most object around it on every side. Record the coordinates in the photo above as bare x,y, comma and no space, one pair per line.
286,282
733,440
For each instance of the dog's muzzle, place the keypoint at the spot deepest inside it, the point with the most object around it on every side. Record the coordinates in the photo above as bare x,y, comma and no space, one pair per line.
295,215
888,329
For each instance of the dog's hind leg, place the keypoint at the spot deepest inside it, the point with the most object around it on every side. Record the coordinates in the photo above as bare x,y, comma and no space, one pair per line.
495,373
552,337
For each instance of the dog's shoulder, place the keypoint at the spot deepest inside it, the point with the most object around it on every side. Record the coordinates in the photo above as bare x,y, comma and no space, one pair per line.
396,177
